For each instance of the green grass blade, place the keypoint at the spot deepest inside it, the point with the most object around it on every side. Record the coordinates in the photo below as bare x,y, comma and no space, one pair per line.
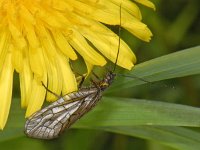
114,111
178,64
121,115
175,137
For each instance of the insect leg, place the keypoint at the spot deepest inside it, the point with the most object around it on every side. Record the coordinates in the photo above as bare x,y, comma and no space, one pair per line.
96,76
94,83
80,80
58,96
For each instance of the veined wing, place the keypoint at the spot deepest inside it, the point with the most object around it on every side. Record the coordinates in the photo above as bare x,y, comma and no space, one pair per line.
49,122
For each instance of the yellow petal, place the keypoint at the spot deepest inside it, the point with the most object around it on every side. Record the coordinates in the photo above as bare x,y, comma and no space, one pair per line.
6,82
64,46
26,78
68,78
111,15
17,36
37,63
86,51
108,46
36,95
4,45
17,58
130,7
105,12
137,28
52,18
62,6
89,68
54,79
26,15
31,36
46,41
146,3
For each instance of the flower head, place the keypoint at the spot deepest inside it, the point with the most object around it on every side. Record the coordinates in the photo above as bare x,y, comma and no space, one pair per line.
39,38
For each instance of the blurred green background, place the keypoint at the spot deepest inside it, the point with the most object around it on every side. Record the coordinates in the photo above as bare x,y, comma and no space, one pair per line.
176,26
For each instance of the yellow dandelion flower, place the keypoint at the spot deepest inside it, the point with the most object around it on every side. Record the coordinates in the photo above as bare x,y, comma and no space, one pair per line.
39,38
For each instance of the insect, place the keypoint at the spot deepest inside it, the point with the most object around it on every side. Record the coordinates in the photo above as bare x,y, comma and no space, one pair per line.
51,121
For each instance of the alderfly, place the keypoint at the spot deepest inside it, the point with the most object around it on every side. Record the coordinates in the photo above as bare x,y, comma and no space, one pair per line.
52,120
49,122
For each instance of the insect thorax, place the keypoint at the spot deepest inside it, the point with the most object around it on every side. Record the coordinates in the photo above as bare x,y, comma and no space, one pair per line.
107,81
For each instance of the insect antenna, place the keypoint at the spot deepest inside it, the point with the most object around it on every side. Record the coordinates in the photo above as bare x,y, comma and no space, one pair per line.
145,81
135,77
119,45
117,56
119,35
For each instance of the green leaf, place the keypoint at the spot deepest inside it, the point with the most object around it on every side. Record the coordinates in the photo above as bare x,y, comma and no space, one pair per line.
175,137
178,64
115,111
121,115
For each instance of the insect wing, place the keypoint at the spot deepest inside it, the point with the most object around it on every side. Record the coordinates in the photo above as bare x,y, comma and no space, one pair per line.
53,119
86,105
47,123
